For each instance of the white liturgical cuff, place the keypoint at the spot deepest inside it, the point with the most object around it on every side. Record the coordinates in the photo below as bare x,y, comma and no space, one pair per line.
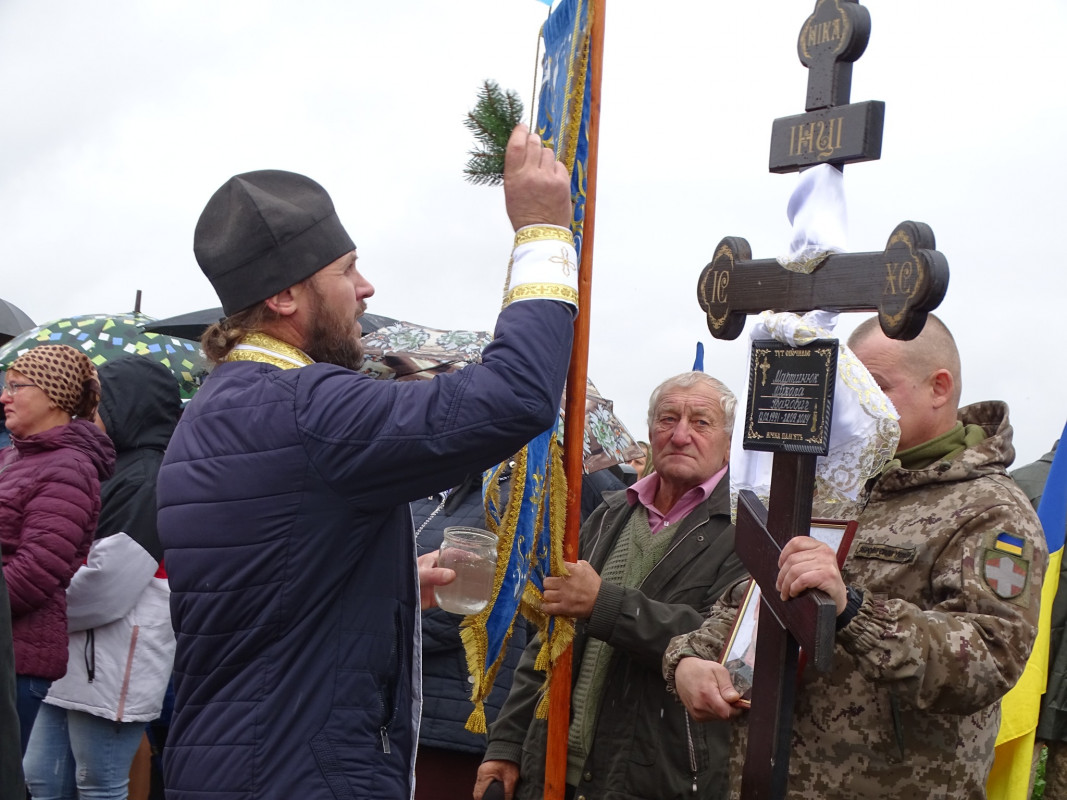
544,266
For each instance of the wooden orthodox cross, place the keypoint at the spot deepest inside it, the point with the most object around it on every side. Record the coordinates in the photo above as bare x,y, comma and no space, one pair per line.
902,283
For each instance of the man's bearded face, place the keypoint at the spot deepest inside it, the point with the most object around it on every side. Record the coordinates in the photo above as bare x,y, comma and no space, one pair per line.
334,336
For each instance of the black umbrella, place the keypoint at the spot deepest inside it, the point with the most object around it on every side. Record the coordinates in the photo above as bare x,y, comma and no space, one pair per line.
13,321
192,324
189,325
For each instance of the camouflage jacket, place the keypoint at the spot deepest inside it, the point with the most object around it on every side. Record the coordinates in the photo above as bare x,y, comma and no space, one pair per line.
950,560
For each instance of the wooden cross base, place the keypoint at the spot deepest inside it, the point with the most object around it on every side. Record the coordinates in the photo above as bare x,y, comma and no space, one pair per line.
807,620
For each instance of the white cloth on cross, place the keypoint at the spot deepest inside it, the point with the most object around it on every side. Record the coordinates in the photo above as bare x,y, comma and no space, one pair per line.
818,215
863,434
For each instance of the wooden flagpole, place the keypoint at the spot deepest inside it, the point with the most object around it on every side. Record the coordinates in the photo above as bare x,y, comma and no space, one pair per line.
574,424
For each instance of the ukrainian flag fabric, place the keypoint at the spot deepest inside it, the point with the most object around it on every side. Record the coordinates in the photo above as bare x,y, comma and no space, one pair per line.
1020,708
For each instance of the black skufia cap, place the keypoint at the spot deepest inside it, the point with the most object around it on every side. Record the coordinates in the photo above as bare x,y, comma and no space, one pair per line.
263,232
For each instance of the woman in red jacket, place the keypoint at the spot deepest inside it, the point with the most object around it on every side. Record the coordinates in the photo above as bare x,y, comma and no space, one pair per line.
49,503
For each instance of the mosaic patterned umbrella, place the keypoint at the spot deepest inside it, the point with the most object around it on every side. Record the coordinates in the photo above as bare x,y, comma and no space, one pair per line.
404,352
106,336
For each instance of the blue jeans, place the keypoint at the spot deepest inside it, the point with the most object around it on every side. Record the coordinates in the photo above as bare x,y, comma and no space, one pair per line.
29,692
78,756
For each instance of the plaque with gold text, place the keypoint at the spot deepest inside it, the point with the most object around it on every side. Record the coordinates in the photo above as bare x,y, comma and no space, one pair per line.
790,397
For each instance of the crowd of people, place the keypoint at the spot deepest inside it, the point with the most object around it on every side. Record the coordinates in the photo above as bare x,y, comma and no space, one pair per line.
269,554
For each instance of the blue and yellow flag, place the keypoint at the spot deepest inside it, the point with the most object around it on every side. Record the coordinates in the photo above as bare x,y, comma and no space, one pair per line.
565,99
530,526
1020,708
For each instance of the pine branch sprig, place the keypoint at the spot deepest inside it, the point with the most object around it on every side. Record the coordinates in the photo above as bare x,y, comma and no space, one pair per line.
494,116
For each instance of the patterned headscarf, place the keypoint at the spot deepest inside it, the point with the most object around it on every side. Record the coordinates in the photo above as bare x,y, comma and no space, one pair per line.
66,375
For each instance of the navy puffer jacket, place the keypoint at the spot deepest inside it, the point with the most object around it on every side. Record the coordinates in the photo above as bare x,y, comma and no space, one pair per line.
283,513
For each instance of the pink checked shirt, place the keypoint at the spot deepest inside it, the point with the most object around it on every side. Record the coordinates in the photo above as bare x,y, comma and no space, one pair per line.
644,492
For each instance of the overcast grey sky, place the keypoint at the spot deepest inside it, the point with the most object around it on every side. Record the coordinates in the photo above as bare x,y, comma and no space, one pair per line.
121,117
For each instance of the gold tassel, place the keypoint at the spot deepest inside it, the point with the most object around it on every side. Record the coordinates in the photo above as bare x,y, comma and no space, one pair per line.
476,721
472,629
542,706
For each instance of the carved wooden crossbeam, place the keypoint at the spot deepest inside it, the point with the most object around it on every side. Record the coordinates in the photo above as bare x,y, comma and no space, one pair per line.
810,617
902,284
838,136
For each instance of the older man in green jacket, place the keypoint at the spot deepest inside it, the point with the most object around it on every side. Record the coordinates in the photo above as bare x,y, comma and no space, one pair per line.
653,559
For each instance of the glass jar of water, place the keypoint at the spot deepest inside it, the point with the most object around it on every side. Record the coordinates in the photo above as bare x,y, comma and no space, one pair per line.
471,552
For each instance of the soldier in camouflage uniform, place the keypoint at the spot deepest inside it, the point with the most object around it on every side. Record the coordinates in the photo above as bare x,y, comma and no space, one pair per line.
938,602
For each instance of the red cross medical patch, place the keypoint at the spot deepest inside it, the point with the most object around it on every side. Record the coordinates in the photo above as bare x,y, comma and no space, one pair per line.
1006,574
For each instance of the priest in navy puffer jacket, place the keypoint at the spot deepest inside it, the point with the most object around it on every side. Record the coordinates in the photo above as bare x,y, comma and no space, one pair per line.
283,494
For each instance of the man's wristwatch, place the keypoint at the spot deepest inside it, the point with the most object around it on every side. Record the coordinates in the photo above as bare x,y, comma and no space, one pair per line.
853,601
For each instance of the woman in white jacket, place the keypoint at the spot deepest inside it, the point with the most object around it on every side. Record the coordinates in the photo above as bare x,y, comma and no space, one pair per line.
118,606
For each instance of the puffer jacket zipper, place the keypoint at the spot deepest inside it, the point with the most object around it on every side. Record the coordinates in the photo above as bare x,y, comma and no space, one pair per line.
389,704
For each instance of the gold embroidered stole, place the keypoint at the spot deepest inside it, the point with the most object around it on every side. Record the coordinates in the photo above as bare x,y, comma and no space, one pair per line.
266,349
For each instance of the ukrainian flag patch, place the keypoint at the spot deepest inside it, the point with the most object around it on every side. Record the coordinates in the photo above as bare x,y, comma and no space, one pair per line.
1005,566
1006,543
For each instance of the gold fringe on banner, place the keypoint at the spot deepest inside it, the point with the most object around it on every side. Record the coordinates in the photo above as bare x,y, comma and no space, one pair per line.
553,498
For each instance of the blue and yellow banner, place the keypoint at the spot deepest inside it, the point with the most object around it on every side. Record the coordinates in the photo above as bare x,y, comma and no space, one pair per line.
565,98
530,526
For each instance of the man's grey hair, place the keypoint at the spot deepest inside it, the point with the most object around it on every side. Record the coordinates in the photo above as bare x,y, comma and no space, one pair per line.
687,380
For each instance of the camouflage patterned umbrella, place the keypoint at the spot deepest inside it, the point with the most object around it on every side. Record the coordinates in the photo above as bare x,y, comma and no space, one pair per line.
404,352
106,336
